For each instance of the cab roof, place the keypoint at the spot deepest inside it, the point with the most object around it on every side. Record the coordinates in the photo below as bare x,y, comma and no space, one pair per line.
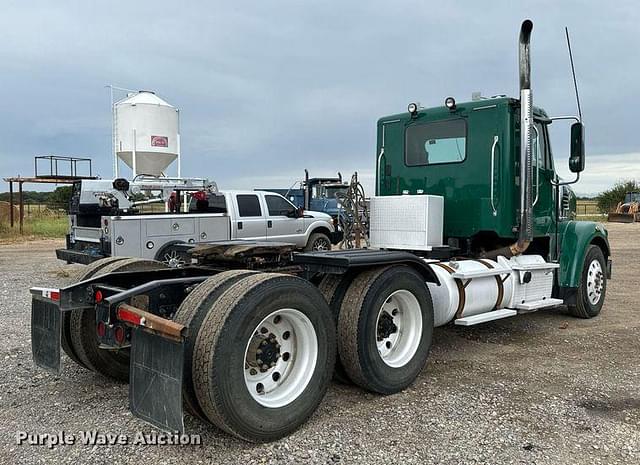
442,112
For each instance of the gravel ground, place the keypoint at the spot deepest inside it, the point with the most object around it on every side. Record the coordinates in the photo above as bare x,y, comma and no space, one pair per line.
543,388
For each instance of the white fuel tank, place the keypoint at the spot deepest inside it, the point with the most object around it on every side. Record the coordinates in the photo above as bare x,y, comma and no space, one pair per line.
472,287
468,287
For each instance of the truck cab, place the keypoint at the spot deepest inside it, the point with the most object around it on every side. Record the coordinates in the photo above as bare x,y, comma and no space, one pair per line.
317,194
469,153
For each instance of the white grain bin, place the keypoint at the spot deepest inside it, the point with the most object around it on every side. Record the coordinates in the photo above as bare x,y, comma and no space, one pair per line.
147,133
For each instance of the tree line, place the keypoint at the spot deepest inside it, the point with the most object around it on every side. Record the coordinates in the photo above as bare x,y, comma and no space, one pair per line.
58,198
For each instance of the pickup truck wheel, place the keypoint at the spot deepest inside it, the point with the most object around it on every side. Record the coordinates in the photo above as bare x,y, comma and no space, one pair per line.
264,356
172,256
385,328
318,242
593,285
191,312
111,363
87,272
334,287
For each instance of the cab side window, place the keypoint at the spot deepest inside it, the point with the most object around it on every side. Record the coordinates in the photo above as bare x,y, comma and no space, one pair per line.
540,142
278,206
537,142
249,205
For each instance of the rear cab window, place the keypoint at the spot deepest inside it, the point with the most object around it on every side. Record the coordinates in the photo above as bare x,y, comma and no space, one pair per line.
436,142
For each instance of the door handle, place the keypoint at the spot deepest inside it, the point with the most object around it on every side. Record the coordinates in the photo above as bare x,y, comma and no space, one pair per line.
239,224
269,224
491,180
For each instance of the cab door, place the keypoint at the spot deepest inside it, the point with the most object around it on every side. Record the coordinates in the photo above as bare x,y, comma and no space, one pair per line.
250,223
543,193
282,222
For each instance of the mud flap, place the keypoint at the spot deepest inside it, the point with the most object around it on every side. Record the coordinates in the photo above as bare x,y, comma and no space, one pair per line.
155,389
46,330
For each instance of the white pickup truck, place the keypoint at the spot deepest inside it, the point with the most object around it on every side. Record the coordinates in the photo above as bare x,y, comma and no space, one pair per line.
244,215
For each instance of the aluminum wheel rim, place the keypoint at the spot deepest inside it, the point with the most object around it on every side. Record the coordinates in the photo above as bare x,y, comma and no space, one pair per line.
290,355
321,244
595,282
173,259
397,345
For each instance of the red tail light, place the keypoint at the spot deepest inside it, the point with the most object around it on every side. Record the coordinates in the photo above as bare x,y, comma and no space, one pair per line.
101,329
98,297
119,334
128,316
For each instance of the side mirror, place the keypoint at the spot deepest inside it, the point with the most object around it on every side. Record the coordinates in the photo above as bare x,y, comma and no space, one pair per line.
299,212
576,160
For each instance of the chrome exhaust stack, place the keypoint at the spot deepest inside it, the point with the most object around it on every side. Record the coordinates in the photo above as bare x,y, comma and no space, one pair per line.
525,235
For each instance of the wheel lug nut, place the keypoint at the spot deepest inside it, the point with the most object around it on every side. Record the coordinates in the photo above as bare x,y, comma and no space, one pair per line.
253,372
277,346
258,351
265,367
259,361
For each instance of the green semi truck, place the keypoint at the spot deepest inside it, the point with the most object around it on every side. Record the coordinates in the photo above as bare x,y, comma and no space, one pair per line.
470,223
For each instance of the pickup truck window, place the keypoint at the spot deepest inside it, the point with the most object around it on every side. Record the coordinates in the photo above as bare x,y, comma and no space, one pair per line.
436,142
278,206
212,204
249,205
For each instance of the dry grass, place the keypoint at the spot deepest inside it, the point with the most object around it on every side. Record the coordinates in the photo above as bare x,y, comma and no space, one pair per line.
46,224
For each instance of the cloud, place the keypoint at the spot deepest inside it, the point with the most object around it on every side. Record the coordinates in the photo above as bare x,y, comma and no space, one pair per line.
267,89
604,170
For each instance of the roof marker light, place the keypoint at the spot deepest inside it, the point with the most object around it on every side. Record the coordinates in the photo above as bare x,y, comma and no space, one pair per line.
450,103
413,109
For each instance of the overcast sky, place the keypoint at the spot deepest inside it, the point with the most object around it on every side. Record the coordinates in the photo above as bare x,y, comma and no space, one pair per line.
267,89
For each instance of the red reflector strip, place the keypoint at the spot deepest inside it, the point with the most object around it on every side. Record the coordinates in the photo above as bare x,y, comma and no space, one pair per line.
128,316
53,294
46,292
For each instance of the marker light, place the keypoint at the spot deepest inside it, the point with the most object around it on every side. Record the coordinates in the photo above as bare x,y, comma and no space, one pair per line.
412,108
119,334
101,329
450,103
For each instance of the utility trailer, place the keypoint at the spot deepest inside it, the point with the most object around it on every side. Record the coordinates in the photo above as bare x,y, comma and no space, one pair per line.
470,224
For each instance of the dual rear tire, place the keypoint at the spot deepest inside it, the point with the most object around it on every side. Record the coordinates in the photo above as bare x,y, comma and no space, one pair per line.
385,328
259,355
